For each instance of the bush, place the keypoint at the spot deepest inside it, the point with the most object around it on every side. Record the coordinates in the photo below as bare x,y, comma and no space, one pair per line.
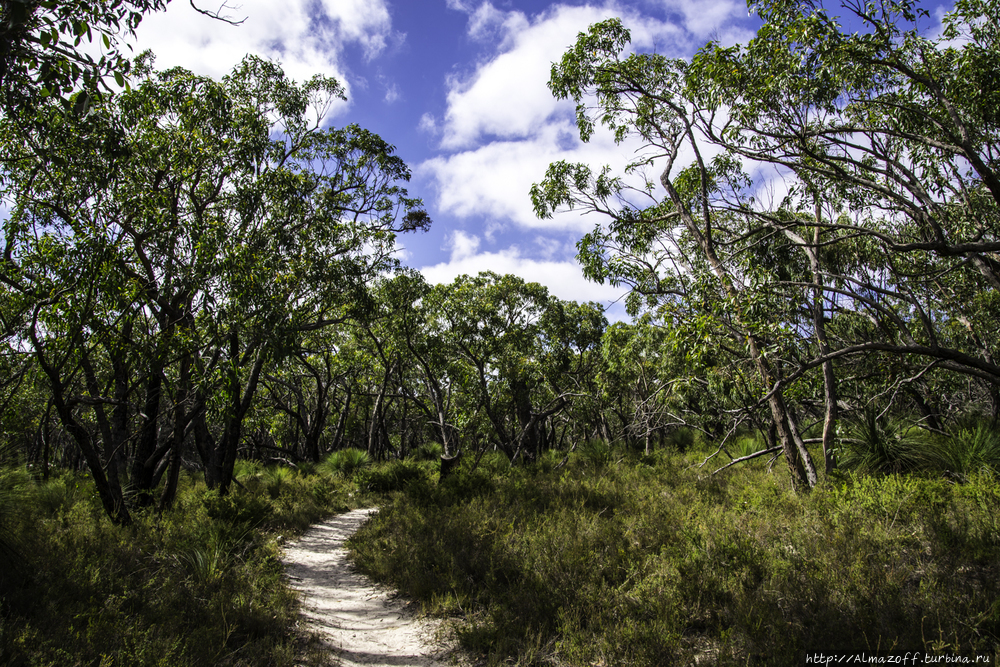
972,449
392,476
429,451
201,584
880,445
596,453
345,462
661,565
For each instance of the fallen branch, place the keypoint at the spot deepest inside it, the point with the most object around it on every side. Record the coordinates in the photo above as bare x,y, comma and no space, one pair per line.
748,457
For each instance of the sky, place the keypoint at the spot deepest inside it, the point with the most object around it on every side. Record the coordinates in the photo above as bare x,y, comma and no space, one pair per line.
459,87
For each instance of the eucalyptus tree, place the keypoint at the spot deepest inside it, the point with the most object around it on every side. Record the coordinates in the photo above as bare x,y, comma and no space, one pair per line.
571,338
884,141
221,216
433,377
671,246
513,348
895,134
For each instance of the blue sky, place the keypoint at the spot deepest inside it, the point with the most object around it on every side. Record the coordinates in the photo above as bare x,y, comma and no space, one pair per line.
458,86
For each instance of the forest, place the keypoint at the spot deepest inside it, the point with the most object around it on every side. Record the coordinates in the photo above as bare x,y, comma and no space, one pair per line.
209,344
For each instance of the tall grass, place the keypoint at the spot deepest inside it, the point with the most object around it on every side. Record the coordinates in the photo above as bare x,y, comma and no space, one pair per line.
639,564
201,585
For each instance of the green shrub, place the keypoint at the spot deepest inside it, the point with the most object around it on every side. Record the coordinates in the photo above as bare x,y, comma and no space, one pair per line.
596,453
970,450
345,462
880,445
429,451
201,584
392,476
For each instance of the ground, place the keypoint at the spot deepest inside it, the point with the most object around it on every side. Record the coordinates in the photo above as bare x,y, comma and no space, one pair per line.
360,623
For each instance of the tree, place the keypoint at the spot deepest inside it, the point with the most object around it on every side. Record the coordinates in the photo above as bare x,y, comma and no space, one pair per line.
886,142
40,48
219,219
643,96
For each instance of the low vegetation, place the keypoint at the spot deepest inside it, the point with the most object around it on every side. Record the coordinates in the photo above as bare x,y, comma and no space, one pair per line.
625,559
605,556
201,584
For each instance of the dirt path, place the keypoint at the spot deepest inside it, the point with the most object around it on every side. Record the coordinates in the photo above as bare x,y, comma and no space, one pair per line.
357,620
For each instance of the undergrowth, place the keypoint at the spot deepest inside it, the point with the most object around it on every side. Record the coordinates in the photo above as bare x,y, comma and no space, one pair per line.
626,560
201,584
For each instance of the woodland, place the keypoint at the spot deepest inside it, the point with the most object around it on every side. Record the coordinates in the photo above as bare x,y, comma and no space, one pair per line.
209,344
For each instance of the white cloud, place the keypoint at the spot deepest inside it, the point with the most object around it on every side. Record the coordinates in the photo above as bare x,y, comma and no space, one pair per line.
502,127
391,93
494,180
428,124
563,278
306,36
707,18
507,96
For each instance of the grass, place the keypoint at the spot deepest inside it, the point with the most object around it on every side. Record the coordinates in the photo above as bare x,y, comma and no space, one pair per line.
616,558
646,561
199,585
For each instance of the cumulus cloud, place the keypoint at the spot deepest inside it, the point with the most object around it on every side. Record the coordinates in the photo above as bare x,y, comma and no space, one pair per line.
494,179
502,127
563,278
507,96
306,36
706,18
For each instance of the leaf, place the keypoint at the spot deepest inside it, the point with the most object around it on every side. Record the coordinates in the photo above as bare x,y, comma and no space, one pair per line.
81,107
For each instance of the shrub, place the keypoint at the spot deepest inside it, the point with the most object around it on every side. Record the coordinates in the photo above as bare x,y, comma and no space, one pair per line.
660,565
201,584
345,462
879,445
429,451
970,450
392,476
596,453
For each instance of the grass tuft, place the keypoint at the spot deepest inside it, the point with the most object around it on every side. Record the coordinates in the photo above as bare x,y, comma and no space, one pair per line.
345,462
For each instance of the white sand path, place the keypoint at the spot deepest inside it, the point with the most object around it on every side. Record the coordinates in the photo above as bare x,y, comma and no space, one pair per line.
358,621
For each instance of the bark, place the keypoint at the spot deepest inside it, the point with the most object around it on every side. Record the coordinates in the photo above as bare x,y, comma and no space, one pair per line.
111,496
796,456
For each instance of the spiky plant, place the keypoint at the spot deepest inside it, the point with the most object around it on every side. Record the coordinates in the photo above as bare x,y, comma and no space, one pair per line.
429,451
596,453
344,463
971,449
877,444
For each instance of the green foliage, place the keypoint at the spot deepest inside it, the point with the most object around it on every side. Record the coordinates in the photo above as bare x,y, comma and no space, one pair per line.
881,444
878,445
41,48
393,476
596,453
345,462
656,564
428,451
199,585
970,450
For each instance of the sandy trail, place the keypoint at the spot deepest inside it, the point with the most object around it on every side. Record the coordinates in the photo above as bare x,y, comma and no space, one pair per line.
357,620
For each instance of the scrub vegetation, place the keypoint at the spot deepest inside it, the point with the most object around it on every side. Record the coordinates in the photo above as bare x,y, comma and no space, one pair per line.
207,342
200,585
649,560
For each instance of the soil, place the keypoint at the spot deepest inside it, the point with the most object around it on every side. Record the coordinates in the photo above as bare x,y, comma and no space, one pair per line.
360,623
